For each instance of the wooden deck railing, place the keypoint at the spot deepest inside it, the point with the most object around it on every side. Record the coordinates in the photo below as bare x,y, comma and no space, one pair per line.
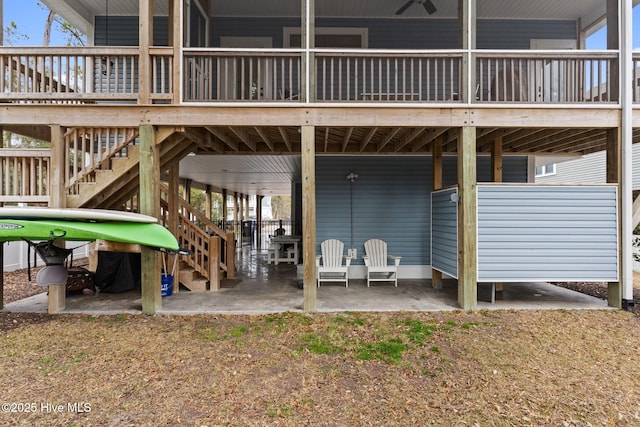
367,76
241,75
25,175
91,149
545,77
98,74
77,75
636,78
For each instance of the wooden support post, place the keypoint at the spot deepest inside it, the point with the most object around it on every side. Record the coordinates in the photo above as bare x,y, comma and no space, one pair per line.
496,176
231,256
467,220
225,208
308,151
57,199
214,263
187,190
614,176
175,34
145,42
259,222
150,205
207,202
173,217
436,155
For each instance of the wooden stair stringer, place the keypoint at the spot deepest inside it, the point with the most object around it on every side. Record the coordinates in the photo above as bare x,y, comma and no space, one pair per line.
107,181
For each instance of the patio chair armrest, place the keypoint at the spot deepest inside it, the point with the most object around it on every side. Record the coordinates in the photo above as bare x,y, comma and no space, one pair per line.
366,259
347,260
396,259
318,260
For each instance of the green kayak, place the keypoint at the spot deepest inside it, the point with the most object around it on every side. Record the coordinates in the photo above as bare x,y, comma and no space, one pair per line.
146,234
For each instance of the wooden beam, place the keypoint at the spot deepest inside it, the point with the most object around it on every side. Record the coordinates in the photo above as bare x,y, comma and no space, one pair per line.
310,303
265,138
346,138
425,139
99,115
244,137
614,176
57,294
220,134
406,139
367,138
150,205
467,220
165,132
387,138
285,137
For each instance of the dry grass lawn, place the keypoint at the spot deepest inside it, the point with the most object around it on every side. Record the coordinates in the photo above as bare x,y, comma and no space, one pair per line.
555,368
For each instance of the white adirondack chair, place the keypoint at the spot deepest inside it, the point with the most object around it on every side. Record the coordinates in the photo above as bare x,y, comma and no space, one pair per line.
375,260
332,269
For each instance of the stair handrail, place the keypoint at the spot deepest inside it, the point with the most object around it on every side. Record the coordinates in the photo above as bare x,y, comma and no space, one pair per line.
195,232
79,142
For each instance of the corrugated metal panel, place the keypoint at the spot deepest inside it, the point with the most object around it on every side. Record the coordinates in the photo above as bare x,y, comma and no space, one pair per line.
544,233
444,229
390,202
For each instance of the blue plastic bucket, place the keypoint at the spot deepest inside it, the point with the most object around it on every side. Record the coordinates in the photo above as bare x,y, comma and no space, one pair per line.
166,288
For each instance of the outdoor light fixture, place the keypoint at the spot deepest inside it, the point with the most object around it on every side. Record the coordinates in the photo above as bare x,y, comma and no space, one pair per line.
352,176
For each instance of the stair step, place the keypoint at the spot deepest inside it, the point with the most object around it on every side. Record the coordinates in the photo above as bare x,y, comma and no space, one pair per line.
192,280
197,285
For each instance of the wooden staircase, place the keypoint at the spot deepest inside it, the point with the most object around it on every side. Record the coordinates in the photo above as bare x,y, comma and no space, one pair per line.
101,170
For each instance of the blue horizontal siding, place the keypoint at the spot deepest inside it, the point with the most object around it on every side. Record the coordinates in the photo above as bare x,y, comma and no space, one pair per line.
546,233
444,240
390,202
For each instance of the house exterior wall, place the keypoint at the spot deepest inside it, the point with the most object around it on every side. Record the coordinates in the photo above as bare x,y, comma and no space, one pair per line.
406,33
383,33
391,201
547,233
590,169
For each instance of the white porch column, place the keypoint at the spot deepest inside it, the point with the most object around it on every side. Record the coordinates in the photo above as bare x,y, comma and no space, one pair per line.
626,97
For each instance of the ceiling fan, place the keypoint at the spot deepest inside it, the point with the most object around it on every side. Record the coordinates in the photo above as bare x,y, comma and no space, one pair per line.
428,6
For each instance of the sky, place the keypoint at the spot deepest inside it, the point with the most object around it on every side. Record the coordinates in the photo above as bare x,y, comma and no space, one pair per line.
31,18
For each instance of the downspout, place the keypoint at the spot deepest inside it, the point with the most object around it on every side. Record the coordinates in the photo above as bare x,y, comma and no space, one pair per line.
626,68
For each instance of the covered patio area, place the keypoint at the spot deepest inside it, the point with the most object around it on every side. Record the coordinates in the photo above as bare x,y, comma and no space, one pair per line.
262,288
